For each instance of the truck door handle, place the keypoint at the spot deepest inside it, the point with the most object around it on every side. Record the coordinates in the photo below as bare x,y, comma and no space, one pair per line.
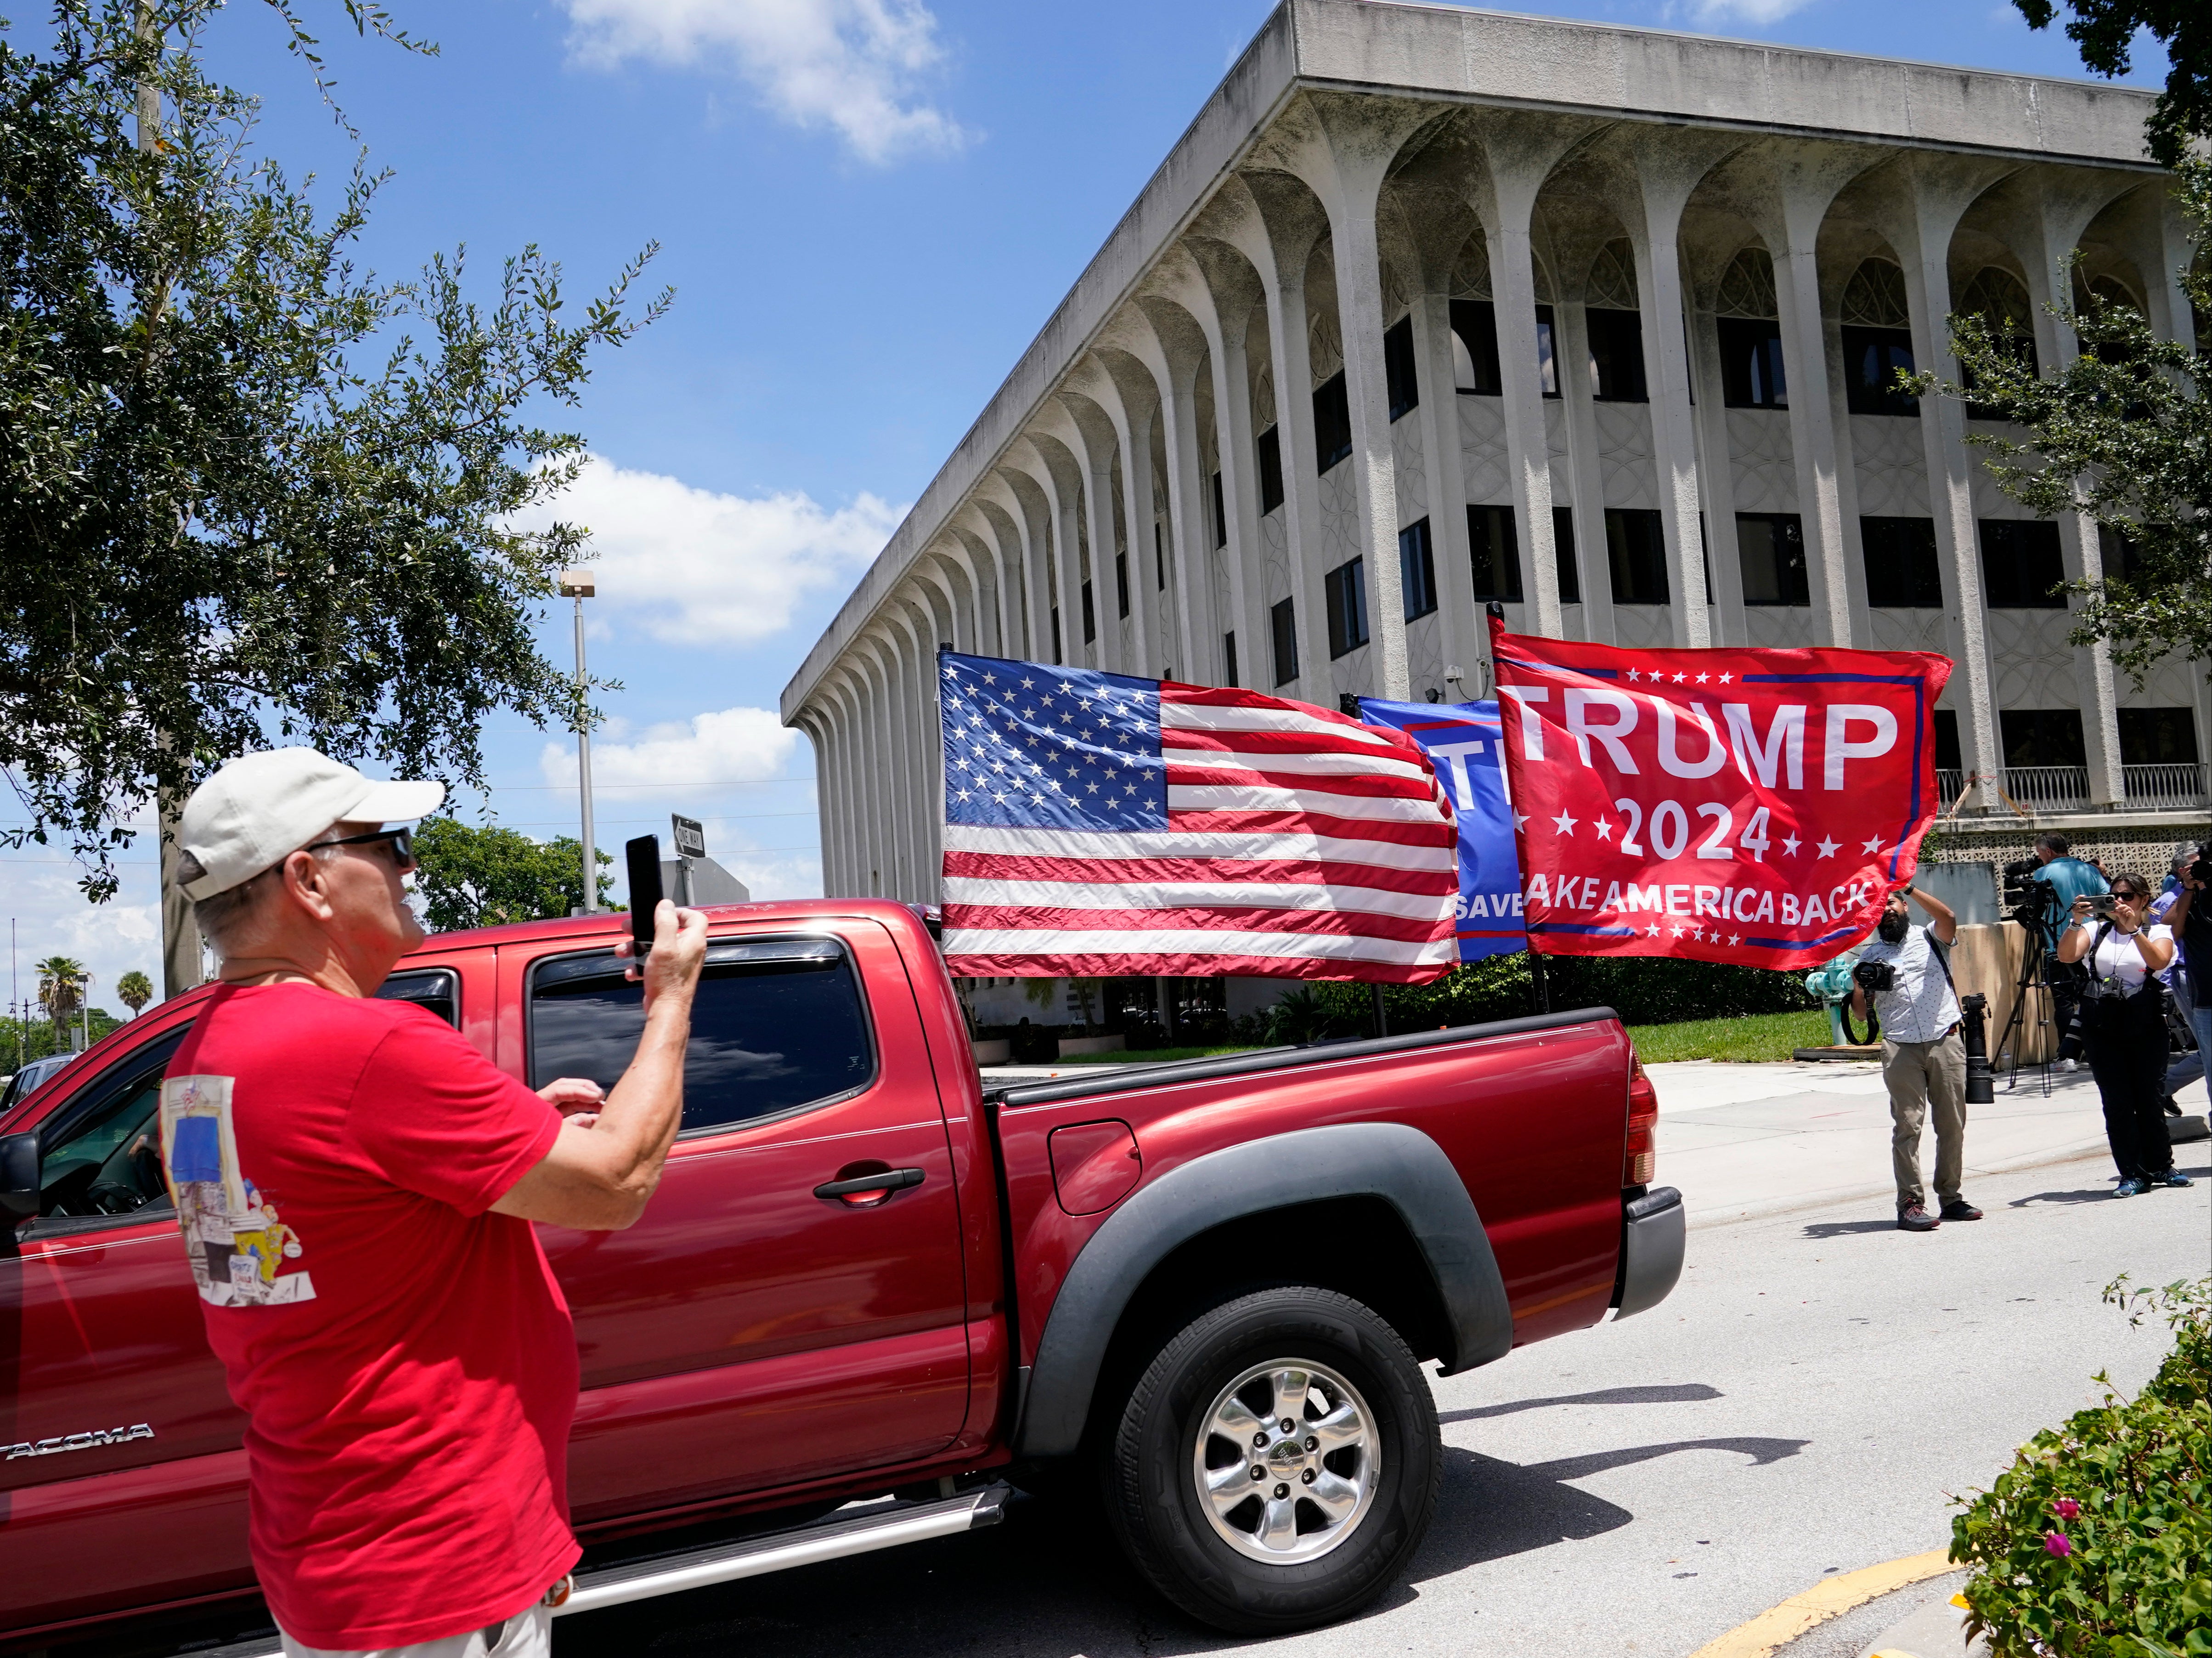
862,1190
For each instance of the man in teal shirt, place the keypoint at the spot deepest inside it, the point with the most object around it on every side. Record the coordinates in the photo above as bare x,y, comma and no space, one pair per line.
2069,878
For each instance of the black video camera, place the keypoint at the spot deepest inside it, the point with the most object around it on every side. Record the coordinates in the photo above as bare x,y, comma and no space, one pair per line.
2029,896
2201,871
1874,977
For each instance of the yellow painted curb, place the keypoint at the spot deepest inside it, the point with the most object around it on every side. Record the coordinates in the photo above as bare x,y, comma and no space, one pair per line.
1780,1625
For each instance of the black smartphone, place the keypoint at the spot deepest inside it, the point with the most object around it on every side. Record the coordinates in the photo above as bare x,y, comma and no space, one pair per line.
644,889
2104,905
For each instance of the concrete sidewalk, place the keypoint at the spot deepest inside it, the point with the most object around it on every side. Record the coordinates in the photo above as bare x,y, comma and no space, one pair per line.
1745,1140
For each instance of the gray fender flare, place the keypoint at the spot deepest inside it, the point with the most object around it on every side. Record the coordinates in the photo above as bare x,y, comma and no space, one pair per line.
1399,1164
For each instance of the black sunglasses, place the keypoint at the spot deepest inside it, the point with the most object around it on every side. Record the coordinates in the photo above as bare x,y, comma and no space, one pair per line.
403,845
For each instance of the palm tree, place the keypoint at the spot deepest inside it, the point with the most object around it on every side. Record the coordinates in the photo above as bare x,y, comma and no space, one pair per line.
133,991
61,987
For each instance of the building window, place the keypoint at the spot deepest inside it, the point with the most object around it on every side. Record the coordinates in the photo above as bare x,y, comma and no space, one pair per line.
2000,301
1270,446
1398,370
1121,583
2120,553
1345,588
2157,736
1495,560
2042,736
1636,550
1568,567
1220,514
1771,553
1547,358
1159,558
1282,621
1417,570
1947,741
1752,375
2021,569
1474,348
1873,358
1228,656
1902,569
1055,633
1332,423
1089,616
1616,348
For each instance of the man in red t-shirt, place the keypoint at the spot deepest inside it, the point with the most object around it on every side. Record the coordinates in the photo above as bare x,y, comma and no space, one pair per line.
356,1184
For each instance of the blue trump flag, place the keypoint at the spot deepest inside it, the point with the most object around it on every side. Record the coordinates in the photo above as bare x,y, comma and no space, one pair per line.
1462,741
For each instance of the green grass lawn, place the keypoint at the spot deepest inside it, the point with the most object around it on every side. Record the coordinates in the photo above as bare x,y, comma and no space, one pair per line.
1755,1036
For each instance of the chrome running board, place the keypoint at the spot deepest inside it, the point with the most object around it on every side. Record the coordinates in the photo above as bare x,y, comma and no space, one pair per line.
751,1556
757,1556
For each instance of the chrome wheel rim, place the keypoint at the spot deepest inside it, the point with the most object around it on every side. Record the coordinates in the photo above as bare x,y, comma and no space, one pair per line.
1286,1462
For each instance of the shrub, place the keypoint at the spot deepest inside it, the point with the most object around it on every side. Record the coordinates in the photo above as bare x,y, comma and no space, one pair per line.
2097,1543
1642,991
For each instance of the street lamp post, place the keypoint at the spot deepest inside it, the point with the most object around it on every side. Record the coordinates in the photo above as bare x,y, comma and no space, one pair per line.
577,584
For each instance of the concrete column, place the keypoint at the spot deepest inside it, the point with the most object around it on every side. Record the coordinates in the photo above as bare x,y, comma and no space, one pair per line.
1375,467
1585,469
852,875
1674,421
1291,350
1457,622
1138,515
880,792
1190,531
1717,470
898,802
1233,440
1812,419
1527,446
1098,504
1935,196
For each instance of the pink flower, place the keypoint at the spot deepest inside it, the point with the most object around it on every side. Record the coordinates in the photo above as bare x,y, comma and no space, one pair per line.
2057,1543
2066,1508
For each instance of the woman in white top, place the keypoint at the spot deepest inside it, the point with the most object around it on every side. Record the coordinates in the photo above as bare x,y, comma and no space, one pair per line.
2124,1019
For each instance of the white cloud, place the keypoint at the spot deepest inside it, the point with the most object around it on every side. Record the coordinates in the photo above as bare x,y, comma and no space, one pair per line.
852,65
736,745
701,568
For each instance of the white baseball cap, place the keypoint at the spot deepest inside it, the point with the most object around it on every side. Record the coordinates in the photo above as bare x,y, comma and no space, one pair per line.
261,808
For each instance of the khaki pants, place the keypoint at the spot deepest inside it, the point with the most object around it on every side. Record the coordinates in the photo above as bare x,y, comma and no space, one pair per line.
1916,1073
528,1633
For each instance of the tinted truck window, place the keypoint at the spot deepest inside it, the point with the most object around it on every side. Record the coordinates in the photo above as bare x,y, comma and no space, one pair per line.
778,1024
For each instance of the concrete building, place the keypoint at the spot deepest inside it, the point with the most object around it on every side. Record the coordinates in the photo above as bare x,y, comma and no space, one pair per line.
1432,306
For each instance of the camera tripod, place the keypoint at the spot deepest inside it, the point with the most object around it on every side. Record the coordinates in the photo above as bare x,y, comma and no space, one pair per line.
2034,976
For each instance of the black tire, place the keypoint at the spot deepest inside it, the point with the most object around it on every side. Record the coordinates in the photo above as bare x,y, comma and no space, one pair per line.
1153,1500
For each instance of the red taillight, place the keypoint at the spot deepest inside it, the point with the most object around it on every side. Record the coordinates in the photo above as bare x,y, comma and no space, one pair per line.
1643,1118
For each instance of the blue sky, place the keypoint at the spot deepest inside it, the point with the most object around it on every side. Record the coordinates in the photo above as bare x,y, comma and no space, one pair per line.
867,208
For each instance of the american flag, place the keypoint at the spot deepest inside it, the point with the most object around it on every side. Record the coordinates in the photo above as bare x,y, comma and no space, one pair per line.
1096,825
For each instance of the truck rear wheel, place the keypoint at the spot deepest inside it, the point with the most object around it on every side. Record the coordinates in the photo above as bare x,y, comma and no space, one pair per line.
1276,1466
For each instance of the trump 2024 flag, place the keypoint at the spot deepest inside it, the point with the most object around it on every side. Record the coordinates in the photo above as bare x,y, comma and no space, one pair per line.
1462,741
1096,825
1751,806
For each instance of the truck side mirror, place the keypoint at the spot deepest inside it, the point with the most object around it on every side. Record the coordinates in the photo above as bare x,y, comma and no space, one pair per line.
19,1175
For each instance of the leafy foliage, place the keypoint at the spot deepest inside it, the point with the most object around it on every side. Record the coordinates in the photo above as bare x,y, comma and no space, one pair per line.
2124,433
133,991
2104,30
246,492
2097,1543
22,1040
488,876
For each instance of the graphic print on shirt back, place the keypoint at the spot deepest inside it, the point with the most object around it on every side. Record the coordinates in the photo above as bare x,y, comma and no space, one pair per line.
233,1236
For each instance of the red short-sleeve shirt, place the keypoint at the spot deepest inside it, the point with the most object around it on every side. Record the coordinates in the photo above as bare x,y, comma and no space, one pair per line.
406,1361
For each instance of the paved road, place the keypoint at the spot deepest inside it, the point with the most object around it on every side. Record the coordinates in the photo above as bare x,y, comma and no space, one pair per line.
1805,1403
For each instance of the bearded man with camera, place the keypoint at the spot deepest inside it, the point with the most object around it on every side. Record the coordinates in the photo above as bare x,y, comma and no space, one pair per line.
1906,971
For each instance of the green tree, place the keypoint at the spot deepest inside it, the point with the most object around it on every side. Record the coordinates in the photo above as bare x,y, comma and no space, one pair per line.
61,989
248,492
133,991
485,877
2122,433
2104,30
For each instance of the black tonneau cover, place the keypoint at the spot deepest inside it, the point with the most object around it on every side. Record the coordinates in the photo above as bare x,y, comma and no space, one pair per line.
1121,1080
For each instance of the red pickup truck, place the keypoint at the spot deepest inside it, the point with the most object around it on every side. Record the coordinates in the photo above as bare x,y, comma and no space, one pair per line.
870,1290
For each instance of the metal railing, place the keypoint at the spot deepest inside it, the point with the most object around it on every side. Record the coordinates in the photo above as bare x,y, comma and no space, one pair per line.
2048,787
2169,785
1949,785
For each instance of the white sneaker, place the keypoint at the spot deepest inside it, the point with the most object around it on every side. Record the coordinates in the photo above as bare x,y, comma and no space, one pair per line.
2069,1065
